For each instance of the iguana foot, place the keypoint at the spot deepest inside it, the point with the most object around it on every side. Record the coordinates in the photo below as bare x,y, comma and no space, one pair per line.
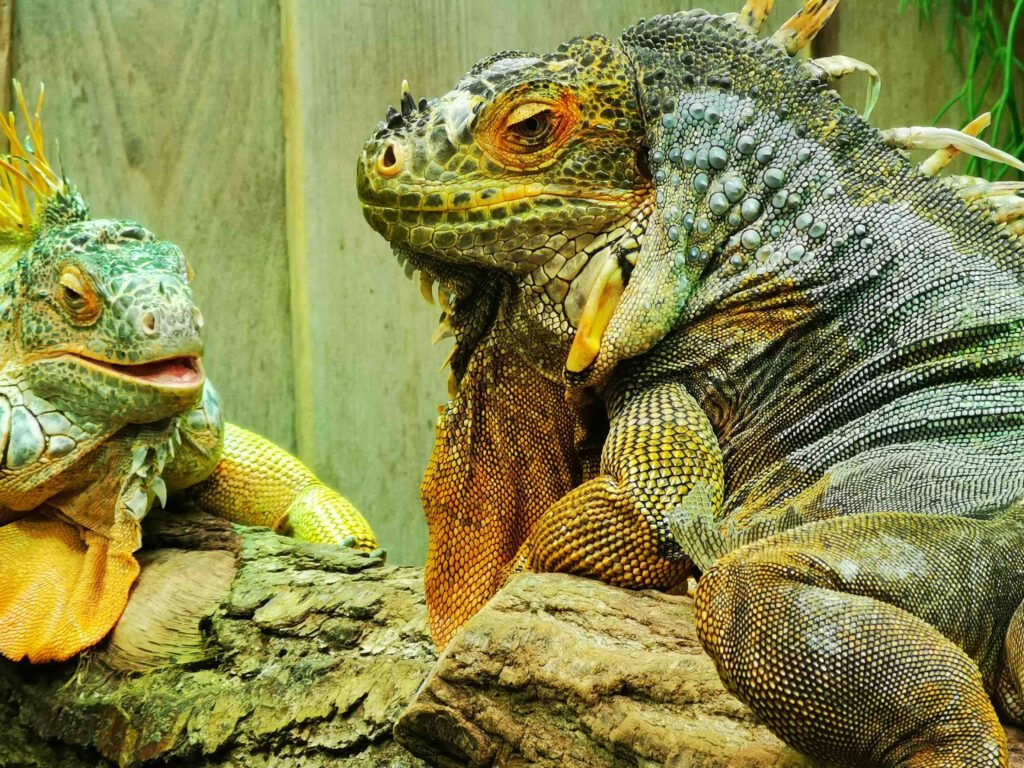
599,531
320,514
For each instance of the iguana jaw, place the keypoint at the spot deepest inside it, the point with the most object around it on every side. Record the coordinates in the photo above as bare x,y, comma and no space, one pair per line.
543,310
518,233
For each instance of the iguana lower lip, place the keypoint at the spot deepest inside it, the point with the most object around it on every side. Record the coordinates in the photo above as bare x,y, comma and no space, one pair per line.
176,372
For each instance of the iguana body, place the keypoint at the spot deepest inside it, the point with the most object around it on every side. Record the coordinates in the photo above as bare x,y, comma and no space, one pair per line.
778,323
104,409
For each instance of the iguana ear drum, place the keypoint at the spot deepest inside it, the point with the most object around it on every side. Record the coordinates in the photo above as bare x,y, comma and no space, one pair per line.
643,163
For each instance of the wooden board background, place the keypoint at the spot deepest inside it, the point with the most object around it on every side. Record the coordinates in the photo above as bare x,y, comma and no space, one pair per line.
233,127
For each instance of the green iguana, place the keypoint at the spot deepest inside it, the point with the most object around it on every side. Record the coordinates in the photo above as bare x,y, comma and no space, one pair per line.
769,324
104,409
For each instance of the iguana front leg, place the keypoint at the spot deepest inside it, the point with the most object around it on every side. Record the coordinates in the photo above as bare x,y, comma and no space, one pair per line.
236,474
258,483
614,527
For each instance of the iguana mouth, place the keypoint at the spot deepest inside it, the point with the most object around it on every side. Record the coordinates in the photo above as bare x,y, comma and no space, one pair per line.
172,372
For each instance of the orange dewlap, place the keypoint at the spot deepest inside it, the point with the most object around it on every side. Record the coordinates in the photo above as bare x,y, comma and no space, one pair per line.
63,587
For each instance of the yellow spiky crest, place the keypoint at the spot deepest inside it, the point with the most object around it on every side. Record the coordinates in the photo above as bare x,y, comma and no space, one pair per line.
27,182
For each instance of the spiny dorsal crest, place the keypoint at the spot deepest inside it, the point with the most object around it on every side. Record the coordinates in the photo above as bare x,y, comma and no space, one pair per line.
32,195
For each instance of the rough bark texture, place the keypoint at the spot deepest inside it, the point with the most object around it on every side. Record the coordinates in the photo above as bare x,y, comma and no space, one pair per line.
242,648
561,671
305,657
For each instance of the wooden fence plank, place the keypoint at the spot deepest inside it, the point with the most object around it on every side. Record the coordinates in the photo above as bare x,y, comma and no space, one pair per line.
6,52
170,113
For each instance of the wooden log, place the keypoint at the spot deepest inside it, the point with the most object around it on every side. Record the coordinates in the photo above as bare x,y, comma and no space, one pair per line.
243,648
239,647
561,671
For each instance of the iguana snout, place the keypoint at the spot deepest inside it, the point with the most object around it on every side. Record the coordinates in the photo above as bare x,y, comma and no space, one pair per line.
110,318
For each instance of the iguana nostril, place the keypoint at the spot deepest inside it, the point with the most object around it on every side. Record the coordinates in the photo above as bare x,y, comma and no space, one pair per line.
149,324
389,162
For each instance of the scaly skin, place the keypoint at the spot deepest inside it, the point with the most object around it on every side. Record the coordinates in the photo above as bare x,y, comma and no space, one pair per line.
104,409
783,330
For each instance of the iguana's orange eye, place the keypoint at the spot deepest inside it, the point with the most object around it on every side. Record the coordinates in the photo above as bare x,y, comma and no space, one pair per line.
527,135
77,296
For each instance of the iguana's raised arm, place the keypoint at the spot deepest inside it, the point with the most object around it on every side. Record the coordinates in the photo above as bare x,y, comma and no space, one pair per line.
258,483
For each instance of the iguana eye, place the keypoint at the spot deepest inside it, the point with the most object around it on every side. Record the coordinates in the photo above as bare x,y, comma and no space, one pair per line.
77,296
529,124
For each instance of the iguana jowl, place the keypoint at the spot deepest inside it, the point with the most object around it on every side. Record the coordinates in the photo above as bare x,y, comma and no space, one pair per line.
105,409
781,329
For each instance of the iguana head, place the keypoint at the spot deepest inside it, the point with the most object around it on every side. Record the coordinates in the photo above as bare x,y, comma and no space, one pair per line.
517,171
103,319
96,315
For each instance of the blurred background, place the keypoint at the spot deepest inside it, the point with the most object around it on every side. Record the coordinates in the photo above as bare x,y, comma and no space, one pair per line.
233,127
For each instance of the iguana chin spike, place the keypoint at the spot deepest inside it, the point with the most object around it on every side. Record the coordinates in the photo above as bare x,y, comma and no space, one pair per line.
943,157
427,288
796,33
754,14
444,331
920,137
444,299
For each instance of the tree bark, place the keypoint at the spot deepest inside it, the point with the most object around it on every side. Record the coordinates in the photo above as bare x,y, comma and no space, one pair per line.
243,648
